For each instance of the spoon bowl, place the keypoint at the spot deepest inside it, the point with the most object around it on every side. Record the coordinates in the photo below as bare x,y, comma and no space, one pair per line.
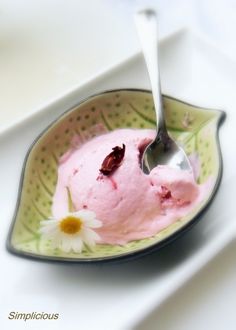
163,150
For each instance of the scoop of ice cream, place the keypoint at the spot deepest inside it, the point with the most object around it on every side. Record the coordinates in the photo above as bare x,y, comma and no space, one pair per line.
130,204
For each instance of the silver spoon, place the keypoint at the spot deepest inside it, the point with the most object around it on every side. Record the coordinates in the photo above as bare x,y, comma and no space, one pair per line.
163,150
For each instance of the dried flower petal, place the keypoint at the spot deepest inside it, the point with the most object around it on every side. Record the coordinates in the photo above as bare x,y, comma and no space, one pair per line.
113,160
165,193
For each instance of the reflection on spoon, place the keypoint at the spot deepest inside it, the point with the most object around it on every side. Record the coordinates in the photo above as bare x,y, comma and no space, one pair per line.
163,150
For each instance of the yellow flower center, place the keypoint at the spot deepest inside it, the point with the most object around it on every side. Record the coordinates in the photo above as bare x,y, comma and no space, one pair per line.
70,225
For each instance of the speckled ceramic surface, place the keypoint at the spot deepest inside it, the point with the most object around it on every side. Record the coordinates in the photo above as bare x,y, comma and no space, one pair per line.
195,128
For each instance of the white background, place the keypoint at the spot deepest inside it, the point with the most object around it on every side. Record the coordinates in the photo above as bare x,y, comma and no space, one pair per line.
48,47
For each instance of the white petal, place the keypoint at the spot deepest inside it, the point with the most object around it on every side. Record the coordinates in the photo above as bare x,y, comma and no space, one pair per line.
89,237
56,241
48,235
77,245
48,222
66,244
48,229
95,223
93,234
85,215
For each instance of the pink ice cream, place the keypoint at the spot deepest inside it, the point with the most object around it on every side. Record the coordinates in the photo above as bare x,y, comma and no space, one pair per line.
130,204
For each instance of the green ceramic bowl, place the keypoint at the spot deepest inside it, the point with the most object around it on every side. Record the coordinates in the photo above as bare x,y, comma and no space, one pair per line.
194,127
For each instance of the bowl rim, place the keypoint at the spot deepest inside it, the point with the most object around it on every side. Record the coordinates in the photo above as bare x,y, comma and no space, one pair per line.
127,255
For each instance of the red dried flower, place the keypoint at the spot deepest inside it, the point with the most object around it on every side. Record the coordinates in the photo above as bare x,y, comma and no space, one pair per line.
165,193
113,160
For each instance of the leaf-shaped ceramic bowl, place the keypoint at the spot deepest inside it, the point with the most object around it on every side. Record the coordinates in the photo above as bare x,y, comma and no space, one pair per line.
195,128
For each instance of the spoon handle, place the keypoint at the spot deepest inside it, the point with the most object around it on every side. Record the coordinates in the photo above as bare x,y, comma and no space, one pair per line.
146,23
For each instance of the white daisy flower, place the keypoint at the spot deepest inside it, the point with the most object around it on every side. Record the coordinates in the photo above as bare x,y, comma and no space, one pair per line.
72,231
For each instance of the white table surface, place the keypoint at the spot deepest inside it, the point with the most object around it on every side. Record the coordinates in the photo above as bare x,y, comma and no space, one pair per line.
48,47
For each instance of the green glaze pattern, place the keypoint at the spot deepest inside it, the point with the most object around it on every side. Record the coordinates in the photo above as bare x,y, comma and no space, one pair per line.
195,128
